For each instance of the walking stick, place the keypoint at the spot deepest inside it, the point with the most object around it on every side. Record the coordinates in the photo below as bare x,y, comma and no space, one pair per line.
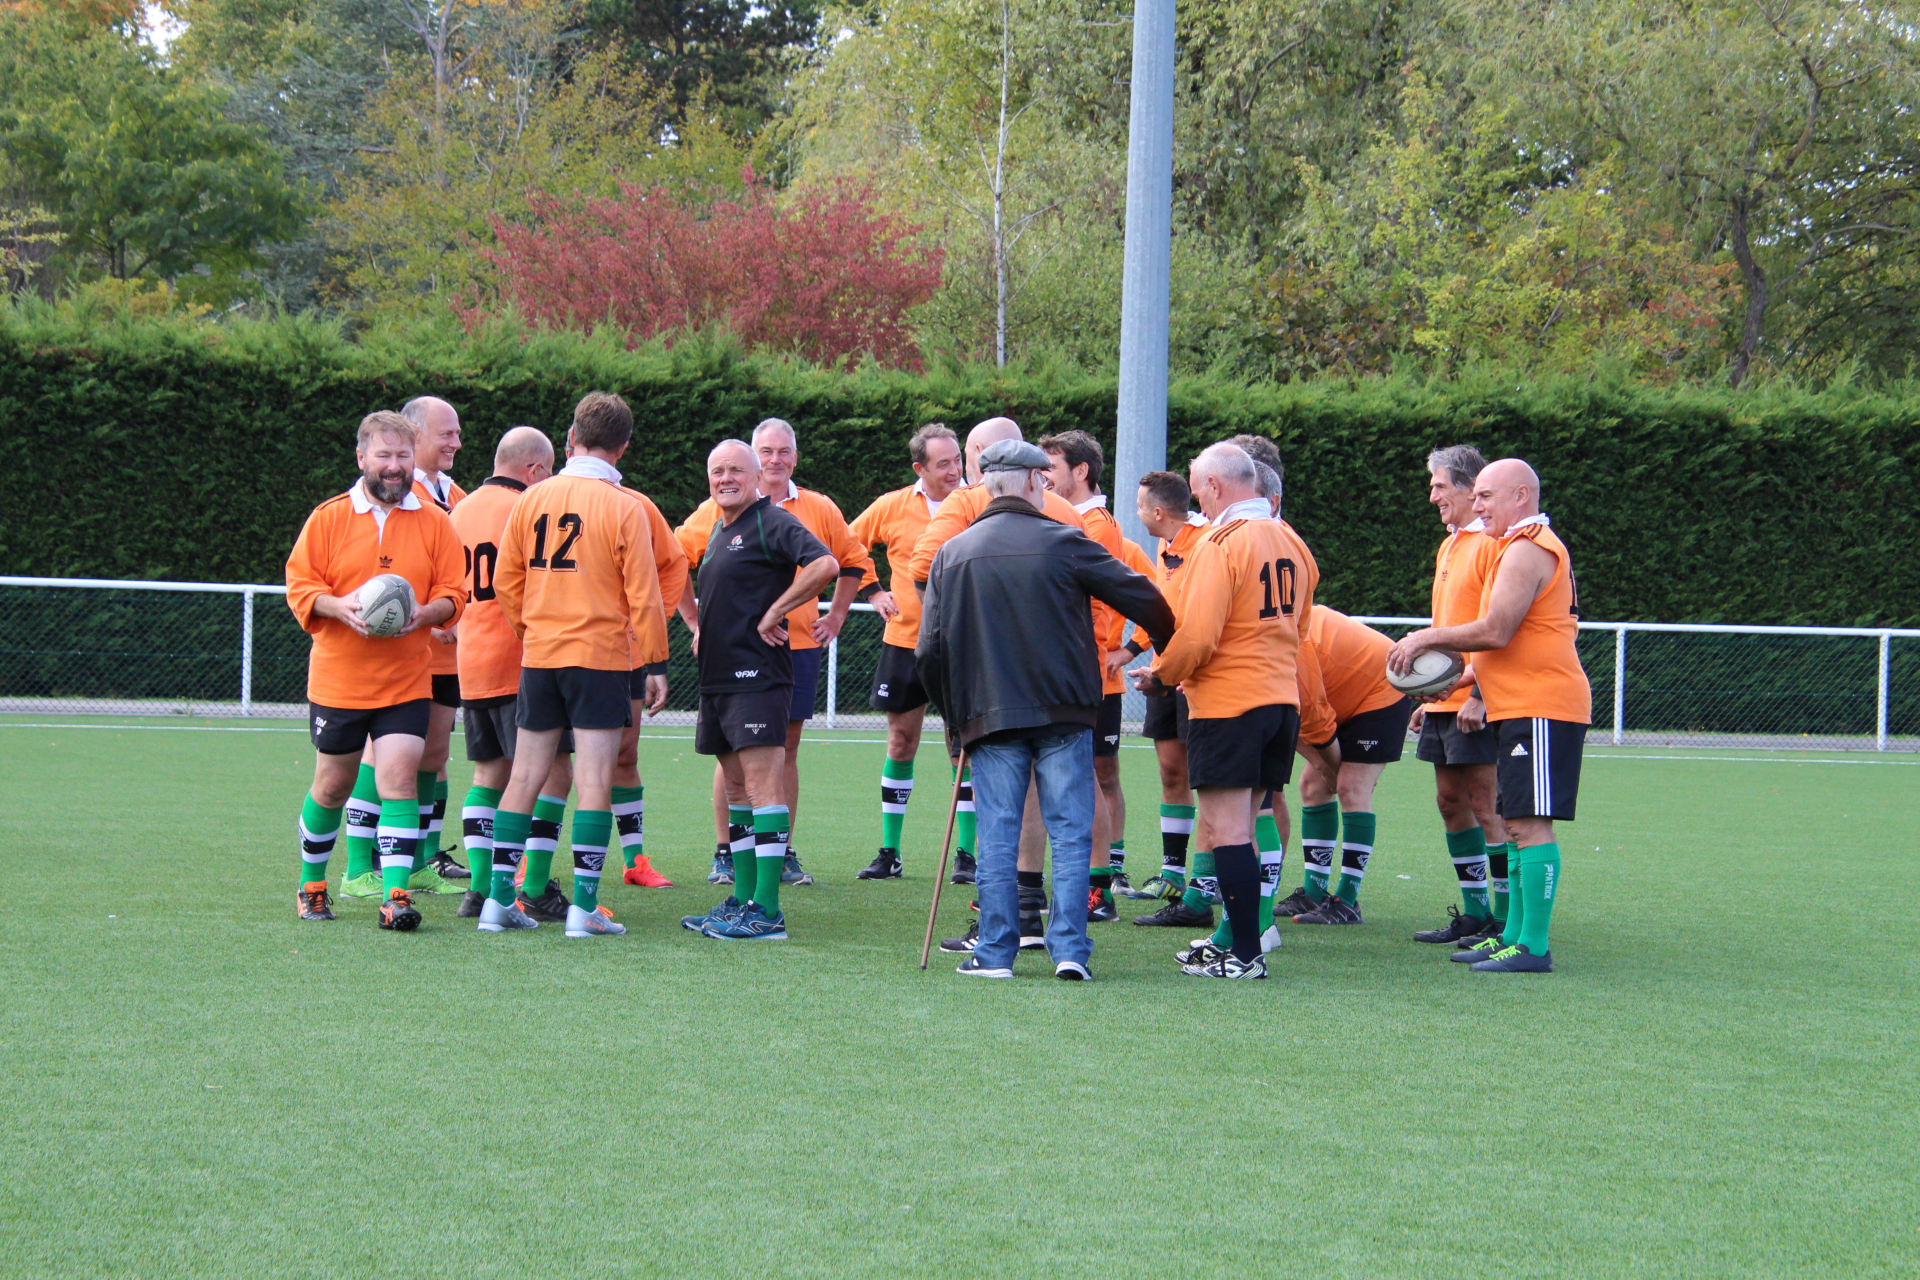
946,847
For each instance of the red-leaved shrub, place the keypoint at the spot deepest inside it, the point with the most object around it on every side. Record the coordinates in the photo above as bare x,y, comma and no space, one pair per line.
822,273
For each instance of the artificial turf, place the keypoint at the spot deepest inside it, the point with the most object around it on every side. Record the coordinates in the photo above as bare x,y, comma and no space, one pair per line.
1720,1079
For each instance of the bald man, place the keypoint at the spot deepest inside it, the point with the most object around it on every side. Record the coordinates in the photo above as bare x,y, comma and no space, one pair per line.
1526,669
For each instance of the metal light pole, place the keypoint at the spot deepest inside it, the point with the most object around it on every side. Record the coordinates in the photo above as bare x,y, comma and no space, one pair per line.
1142,435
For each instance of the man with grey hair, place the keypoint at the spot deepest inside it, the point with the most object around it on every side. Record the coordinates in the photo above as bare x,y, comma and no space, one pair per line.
1012,704
1454,735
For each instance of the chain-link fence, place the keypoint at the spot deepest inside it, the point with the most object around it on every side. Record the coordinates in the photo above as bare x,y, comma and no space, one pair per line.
213,649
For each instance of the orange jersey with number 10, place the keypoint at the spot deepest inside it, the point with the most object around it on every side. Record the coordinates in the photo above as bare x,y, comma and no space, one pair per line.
1248,592
576,573
489,650
1538,674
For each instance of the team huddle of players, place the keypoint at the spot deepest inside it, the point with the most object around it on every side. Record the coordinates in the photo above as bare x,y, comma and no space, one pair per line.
542,600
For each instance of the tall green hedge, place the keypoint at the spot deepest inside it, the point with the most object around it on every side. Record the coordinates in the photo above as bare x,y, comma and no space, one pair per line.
164,448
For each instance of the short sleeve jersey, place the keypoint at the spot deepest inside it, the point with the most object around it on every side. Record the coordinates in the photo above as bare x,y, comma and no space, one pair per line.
895,521
745,568
1459,575
442,492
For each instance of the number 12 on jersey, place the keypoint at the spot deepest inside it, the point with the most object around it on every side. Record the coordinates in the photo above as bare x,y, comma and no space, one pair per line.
1276,589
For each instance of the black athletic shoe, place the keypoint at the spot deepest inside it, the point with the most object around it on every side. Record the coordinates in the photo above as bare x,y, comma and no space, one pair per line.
1294,904
1457,929
885,866
1516,959
1099,909
722,872
549,908
791,872
1488,929
313,902
449,869
1201,952
1120,881
1177,915
1475,952
965,870
967,943
470,903
1335,910
398,912
1033,919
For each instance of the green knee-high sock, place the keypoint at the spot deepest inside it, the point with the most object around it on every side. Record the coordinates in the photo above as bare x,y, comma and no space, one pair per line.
592,830
770,825
1176,831
363,819
398,840
1356,846
1500,859
629,818
476,833
1468,850
319,828
1319,832
965,822
896,788
1539,878
437,821
1516,908
509,848
1202,887
1272,867
740,845
423,785
543,841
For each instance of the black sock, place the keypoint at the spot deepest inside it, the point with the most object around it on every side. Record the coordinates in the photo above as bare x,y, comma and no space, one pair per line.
1238,868
1030,879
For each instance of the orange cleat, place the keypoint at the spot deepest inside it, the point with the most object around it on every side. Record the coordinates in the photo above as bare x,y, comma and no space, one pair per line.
398,912
642,873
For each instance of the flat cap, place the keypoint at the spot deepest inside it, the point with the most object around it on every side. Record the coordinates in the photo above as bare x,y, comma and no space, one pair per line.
1014,455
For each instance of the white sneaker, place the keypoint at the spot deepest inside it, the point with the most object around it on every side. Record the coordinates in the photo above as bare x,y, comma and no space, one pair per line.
495,918
591,924
1072,971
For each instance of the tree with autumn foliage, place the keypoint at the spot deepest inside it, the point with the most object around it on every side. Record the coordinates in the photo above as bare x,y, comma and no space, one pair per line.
823,273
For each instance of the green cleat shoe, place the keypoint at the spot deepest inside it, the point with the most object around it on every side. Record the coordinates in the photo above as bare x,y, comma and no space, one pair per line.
367,886
427,880
1159,887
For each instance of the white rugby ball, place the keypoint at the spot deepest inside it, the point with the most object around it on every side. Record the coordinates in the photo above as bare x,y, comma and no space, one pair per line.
1434,671
386,604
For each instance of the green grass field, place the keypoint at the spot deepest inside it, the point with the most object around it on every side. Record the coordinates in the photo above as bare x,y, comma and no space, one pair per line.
1721,1079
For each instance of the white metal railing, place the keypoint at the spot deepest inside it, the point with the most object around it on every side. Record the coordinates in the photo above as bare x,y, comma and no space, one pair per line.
1884,638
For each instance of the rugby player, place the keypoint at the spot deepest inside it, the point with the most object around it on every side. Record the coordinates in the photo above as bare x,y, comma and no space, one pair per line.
576,576
777,451
761,564
896,520
1527,670
437,435
1366,719
1162,505
1249,591
490,682
1454,736
364,690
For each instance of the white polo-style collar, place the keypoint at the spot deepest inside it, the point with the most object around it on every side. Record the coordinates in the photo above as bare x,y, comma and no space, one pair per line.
588,468
1538,518
1097,500
1246,509
793,491
364,504
1478,526
439,483
933,504
1197,520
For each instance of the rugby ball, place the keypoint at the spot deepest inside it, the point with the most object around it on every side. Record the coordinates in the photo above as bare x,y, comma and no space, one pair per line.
386,604
1434,671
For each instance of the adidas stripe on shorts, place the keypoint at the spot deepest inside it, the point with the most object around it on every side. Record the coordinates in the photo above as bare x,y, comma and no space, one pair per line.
1538,767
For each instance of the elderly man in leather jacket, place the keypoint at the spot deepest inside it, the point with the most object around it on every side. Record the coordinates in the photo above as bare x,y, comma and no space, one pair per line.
1007,651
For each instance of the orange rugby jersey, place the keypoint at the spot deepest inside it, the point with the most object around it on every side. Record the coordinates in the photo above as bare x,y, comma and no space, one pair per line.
442,492
576,574
895,521
344,543
1249,588
1538,674
489,650
1109,628
962,508
1459,575
669,563
1352,658
822,518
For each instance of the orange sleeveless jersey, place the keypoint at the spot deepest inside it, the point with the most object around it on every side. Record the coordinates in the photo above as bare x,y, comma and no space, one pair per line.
962,508
489,650
445,657
895,521
1351,658
337,551
1249,589
1538,674
576,573
822,518
1459,576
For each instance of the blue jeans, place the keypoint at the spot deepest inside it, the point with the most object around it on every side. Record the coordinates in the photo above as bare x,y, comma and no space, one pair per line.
1062,765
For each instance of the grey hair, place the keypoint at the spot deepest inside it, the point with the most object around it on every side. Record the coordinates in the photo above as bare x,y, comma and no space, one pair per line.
415,410
1228,462
1002,483
768,424
742,444
1462,462
1270,484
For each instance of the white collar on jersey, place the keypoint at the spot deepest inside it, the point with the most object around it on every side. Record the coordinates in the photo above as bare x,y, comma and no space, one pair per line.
933,504
1478,526
1097,500
793,491
1538,518
1197,520
1246,509
362,503
588,468
439,483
